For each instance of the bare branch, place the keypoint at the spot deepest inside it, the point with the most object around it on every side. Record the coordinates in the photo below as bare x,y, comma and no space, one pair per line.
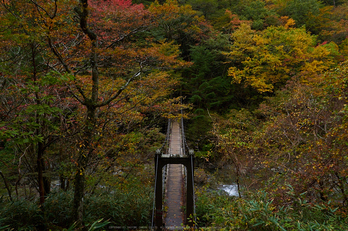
43,9
120,90
67,69
123,37
59,56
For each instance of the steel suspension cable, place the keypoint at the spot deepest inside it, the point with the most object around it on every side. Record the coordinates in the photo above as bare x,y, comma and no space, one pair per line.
167,135
193,192
182,136
184,144
156,173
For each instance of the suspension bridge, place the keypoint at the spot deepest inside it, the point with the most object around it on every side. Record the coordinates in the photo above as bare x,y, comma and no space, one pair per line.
174,186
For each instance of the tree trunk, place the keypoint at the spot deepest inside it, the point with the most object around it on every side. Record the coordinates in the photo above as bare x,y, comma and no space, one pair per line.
90,103
78,196
6,185
40,145
40,173
82,162
47,184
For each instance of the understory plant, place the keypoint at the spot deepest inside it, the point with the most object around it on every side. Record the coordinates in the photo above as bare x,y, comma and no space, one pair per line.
120,207
257,211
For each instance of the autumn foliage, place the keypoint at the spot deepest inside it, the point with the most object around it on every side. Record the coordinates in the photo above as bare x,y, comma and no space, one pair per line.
77,80
86,87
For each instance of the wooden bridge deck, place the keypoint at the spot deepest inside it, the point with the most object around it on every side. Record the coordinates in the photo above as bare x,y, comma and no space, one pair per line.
174,217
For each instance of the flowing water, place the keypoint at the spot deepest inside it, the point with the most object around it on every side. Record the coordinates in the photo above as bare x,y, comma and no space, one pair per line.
230,189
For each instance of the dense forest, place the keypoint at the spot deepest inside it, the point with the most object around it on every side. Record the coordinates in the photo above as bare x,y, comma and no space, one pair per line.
87,87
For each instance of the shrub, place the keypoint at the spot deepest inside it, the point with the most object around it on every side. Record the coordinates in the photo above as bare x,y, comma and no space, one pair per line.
256,211
58,207
130,207
207,205
21,215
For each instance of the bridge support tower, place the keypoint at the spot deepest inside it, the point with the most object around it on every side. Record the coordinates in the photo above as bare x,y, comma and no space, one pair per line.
160,162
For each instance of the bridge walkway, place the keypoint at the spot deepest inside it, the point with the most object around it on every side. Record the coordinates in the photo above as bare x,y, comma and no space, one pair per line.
174,217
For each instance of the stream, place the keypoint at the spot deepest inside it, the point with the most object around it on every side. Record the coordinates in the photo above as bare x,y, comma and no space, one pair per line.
230,189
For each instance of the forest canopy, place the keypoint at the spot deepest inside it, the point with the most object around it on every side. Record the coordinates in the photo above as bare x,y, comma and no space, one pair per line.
87,88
